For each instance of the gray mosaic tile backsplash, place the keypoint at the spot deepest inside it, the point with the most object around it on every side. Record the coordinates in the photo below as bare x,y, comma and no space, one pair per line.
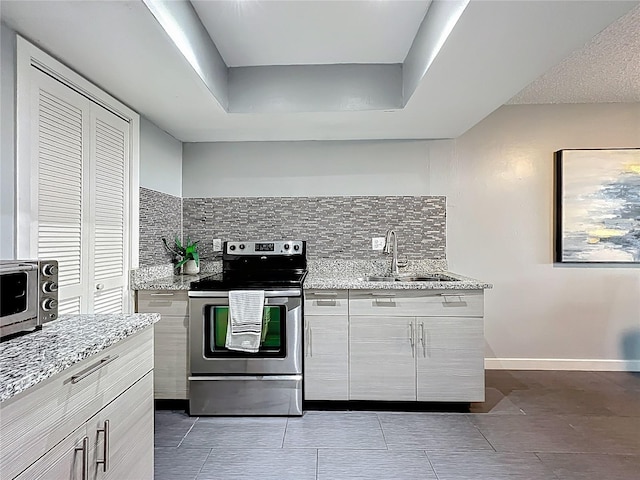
160,216
334,227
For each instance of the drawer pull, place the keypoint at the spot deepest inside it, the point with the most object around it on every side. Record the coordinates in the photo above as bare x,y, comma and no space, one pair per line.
324,294
105,447
85,457
81,376
161,294
382,294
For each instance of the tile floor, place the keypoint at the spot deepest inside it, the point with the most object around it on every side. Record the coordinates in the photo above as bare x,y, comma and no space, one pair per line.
533,426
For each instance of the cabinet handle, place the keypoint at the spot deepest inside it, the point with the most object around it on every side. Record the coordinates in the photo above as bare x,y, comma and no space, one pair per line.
382,294
324,294
411,340
85,457
310,341
81,376
105,447
161,294
422,339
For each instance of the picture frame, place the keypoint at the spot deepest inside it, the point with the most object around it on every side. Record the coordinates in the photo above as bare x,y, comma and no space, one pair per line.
597,206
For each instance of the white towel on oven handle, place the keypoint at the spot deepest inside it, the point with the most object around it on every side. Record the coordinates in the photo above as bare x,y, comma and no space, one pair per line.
244,329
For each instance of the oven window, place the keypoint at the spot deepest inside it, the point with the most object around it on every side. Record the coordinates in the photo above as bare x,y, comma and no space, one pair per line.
272,342
13,293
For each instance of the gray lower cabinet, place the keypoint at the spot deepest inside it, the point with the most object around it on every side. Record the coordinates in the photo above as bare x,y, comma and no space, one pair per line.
101,408
381,359
449,359
171,359
326,345
326,357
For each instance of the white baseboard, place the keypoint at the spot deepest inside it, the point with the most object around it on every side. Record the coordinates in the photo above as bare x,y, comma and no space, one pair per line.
561,364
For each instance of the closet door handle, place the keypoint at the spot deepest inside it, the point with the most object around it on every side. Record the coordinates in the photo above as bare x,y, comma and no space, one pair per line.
105,447
85,457
100,286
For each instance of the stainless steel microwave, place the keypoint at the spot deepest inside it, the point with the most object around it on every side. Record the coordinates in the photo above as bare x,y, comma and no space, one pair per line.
28,294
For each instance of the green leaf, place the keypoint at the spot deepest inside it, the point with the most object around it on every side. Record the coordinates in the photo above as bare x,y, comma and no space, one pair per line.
196,257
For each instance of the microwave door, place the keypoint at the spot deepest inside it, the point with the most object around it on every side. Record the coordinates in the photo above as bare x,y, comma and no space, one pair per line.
18,296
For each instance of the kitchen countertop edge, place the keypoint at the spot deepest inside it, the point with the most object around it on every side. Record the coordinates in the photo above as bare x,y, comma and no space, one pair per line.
34,357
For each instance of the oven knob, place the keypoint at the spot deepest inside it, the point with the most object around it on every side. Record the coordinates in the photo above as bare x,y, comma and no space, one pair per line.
296,247
49,269
286,246
242,246
232,247
49,304
48,287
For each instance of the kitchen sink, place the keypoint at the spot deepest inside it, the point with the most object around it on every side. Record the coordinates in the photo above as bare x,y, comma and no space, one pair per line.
437,277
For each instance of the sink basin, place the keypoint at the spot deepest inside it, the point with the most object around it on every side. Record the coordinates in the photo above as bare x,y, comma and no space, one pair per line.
413,278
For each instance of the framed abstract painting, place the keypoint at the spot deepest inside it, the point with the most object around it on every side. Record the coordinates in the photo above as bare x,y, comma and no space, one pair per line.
597,206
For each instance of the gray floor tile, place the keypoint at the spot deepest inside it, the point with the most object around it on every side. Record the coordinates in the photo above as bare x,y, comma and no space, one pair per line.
373,465
627,380
425,431
577,466
178,463
171,427
489,466
560,402
496,402
236,432
262,464
351,430
623,404
526,433
613,435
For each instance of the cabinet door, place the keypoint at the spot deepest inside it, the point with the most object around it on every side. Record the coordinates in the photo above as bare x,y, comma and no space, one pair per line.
129,435
326,357
450,353
171,358
65,461
382,363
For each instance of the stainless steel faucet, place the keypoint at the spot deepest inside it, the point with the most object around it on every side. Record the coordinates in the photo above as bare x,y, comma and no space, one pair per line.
387,250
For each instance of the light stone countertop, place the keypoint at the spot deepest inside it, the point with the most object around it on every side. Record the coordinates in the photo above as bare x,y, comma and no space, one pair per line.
342,282
330,274
36,356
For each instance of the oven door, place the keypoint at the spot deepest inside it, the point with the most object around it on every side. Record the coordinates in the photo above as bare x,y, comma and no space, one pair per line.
280,349
19,297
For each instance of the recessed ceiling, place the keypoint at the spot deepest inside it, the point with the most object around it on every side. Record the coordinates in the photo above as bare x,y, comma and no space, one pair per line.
494,51
252,33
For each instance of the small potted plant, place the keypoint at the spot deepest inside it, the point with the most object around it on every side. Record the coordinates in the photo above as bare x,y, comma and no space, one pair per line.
187,253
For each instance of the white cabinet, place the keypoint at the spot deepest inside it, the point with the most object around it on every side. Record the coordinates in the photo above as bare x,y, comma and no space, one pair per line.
171,359
44,428
74,189
326,345
425,345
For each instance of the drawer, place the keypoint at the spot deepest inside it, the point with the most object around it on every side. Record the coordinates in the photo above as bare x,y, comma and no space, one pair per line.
417,303
37,419
326,302
165,302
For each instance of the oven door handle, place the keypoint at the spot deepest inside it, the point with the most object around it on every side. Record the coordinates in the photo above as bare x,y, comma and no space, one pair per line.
245,377
293,292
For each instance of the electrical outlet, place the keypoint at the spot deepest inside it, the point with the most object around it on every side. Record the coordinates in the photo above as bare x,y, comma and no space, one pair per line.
377,243
217,244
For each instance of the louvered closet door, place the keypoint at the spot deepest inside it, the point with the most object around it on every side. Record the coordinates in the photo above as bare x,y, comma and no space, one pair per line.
59,126
109,210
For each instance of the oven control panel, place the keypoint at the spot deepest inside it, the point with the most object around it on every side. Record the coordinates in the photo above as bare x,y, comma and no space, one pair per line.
282,247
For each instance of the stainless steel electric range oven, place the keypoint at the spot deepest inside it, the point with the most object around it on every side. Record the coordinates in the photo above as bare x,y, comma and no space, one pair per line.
229,382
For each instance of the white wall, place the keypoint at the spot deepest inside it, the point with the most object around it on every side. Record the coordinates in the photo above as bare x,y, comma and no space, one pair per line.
7,140
498,179
500,228
280,169
160,160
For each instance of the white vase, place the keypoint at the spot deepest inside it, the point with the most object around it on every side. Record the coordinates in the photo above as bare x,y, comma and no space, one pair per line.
191,268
